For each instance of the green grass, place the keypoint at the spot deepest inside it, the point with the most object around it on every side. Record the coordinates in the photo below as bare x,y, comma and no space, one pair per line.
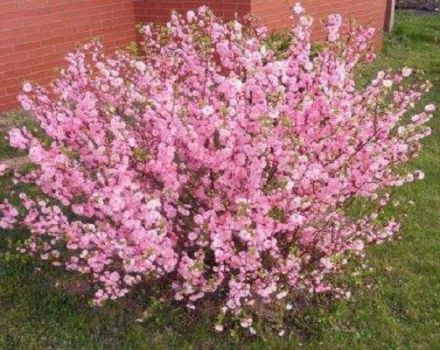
400,311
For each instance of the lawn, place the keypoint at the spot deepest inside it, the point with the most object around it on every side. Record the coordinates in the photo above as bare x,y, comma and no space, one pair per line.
399,310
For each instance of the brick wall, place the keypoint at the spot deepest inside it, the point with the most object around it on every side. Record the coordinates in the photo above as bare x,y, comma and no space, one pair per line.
275,13
36,34
159,10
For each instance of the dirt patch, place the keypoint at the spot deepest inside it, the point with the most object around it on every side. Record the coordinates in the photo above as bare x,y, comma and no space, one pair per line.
15,163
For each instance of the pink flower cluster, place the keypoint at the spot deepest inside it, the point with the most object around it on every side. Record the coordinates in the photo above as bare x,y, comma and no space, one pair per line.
210,167
8,215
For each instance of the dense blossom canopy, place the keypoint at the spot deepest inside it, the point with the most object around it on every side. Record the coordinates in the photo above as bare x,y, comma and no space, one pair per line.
209,164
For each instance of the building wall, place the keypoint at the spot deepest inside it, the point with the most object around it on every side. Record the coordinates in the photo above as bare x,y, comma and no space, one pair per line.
36,34
275,13
159,10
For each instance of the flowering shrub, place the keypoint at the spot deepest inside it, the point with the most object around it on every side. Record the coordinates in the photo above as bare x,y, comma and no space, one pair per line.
209,166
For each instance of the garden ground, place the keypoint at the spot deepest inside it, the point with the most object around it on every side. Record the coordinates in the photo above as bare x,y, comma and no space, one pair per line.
399,310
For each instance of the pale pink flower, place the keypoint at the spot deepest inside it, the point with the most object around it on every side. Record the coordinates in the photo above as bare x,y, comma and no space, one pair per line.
219,328
27,87
3,168
430,108
246,322
406,72
388,83
190,16
298,9
140,66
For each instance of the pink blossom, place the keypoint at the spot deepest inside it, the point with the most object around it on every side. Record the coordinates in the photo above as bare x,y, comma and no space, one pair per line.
17,139
419,175
3,168
8,215
406,72
298,9
219,328
358,245
190,16
388,83
430,108
140,66
207,110
246,323
27,87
